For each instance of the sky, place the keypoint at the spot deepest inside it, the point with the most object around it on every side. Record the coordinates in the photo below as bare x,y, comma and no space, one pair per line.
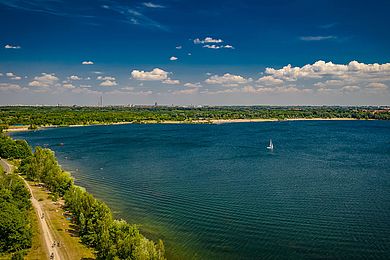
186,52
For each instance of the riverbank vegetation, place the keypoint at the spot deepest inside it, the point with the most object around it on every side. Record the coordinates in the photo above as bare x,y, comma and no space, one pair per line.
15,216
13,149
34,116
97,228
111,239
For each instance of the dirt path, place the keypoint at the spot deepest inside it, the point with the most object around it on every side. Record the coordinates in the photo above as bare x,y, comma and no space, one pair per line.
6,166
47,233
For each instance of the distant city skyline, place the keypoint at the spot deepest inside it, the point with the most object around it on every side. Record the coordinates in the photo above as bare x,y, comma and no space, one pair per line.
194,52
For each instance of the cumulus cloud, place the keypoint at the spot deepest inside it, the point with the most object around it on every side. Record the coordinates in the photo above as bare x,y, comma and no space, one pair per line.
320,77
87,62
11,87
213,46
74,77
12,76
350,88
154,75
9,46
107,81
228,80
68,86
261,90
317,38
179,47
321,69
207,40
211,43
193,85
171,81
378,86
45,80
106,78
269,80
173,58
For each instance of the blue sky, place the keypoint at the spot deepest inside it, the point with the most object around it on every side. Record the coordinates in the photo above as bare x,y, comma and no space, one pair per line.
194,52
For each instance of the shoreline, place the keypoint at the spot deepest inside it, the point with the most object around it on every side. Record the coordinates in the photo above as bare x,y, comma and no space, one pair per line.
201,121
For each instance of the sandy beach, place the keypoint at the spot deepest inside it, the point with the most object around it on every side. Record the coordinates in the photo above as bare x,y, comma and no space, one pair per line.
211,121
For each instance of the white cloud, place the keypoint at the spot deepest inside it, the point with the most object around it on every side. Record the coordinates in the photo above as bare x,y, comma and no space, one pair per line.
106,78
216,47
207,40
317,38
227,80
152,5
74,77
261,90
154,75
171,81
68,86
350,88
321,69
173,58
10,87
87,63
269,80
108,83
193,85
9,46
377,86
45,80
12,76
179,47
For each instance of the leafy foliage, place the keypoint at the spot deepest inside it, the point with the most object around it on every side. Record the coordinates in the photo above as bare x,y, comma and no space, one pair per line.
43,166
63,116
15,227
111,238
12,149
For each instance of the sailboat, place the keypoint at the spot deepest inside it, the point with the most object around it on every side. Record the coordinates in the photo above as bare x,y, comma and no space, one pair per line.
271,145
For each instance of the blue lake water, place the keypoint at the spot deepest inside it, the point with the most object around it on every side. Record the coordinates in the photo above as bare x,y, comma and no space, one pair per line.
216,192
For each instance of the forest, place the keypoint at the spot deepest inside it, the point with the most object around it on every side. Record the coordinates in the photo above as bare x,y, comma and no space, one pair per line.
35,116
15,206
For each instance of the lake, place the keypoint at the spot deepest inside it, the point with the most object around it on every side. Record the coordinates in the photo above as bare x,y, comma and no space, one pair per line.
216,192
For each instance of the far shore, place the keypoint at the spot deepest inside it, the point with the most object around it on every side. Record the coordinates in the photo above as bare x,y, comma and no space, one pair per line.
211,121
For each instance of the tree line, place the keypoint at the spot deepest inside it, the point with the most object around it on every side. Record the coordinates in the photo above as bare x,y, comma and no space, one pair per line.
64,116
15,216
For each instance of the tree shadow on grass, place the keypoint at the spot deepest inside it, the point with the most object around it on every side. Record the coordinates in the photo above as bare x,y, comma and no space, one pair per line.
73,230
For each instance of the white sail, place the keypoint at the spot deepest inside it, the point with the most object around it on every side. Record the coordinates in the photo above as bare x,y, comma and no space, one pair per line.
271,145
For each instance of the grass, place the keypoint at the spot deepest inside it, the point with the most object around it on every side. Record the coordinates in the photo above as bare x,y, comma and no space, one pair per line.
37,250
62,229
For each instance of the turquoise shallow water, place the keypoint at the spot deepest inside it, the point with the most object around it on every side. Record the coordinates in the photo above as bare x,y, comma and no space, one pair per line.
216,192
